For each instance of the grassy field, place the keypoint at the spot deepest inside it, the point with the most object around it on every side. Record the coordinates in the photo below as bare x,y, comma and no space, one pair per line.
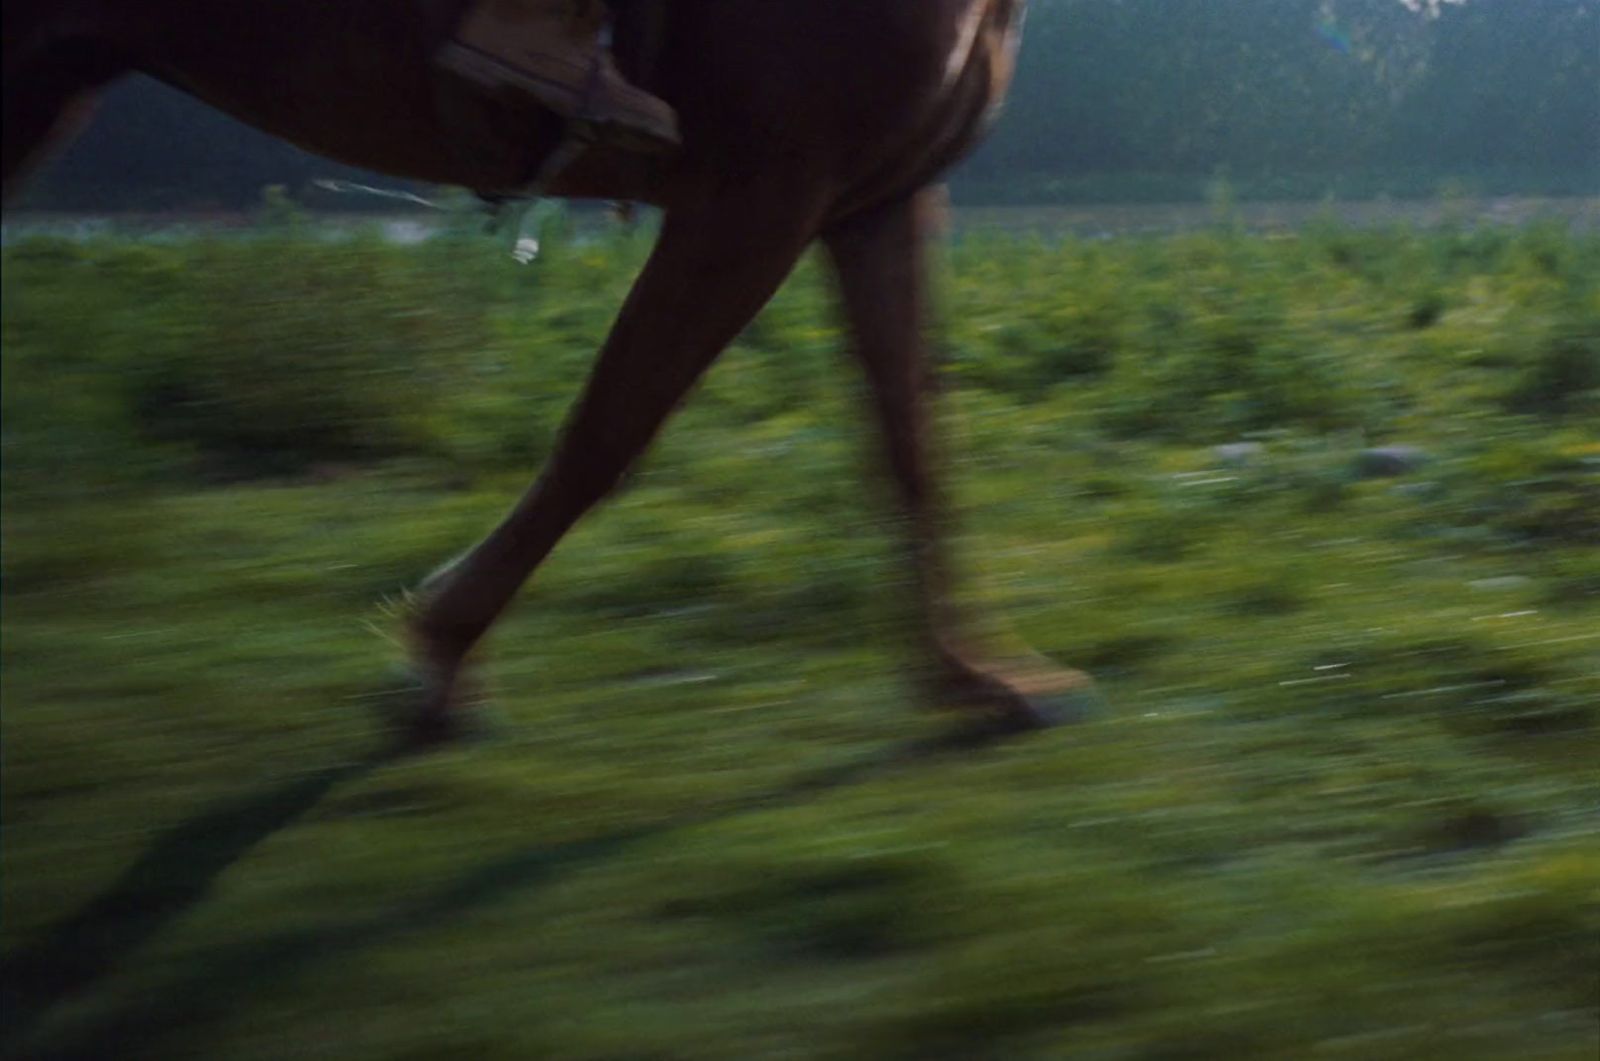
1343,802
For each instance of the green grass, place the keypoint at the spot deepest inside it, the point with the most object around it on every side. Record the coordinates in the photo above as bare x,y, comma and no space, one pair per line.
1342,804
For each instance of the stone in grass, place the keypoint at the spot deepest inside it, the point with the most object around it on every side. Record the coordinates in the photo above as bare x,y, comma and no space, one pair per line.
1382,462
1472,829
1502,582
1418,491
1239,454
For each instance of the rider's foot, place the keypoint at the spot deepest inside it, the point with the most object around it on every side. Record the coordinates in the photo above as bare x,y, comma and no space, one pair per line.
553,51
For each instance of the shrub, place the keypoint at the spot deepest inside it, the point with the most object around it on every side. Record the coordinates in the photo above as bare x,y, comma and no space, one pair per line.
284,354
1563,374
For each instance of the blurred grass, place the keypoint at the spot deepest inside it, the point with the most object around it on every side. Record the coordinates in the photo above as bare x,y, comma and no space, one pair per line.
1344,803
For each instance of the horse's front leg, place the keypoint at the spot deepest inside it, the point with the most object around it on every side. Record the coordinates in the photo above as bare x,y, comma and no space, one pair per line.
880,259
716,263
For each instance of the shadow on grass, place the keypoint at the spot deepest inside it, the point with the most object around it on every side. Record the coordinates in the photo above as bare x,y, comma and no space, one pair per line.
85,947
168,880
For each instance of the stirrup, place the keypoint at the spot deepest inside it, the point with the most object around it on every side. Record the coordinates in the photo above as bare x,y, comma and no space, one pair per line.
509,214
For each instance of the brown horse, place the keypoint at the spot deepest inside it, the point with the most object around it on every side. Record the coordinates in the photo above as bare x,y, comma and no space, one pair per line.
802,120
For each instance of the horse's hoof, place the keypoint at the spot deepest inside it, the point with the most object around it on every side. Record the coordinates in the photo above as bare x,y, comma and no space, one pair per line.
1020,716
417,714
425,731
1068,707
1008,702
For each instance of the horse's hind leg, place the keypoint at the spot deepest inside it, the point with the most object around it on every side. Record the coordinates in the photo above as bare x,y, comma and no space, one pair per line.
880,258
714,266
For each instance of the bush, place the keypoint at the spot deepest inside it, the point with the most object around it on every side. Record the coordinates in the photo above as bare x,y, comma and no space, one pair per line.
283,354
1563,374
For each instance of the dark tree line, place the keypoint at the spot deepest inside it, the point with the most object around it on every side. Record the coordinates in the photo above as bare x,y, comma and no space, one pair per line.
1303,86
1122,98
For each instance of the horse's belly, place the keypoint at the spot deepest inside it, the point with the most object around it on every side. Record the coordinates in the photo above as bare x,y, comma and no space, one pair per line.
353,81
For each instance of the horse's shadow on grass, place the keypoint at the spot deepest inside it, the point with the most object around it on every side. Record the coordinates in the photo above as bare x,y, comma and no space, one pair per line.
178,870
169,879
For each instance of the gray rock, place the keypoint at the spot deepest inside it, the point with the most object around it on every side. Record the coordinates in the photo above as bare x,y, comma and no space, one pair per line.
1503,582
1238,454
1419,491
1385,461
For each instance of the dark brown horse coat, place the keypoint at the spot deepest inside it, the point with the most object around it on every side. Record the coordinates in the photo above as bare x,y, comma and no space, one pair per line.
802,120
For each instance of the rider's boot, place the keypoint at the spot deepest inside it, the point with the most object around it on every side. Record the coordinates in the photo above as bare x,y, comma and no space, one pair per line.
554,50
